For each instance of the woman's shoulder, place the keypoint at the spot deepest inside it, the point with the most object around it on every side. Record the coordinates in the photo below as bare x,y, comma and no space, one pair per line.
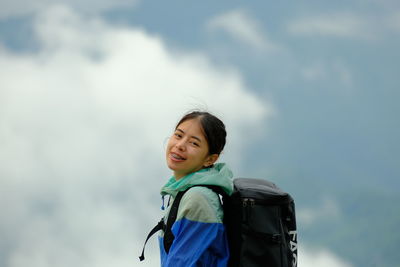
201,204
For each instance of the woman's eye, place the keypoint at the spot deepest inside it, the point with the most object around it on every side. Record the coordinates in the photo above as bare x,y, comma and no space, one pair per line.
178,135
195,144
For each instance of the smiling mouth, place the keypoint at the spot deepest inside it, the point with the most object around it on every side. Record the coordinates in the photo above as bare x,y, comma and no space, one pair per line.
176,157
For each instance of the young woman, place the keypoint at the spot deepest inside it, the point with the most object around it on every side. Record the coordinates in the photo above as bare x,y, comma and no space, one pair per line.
193,149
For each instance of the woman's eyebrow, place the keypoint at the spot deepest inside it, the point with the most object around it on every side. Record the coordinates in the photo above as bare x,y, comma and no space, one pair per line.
193,136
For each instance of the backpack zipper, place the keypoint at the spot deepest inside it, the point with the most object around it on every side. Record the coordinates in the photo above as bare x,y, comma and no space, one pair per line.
248,204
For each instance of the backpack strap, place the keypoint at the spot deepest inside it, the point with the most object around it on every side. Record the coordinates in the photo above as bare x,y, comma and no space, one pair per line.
173,213
160,226
168,235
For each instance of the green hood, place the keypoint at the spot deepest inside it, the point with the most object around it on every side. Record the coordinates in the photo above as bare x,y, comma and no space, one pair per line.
219,175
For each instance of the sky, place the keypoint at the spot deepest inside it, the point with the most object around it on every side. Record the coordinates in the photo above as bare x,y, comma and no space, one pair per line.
90,92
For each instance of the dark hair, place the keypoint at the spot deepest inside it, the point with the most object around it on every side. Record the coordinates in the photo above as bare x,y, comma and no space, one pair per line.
213,128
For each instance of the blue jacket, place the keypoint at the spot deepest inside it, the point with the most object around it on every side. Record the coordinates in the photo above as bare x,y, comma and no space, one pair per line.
200,237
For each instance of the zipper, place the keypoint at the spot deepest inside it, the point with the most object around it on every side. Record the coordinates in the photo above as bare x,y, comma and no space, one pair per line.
248,204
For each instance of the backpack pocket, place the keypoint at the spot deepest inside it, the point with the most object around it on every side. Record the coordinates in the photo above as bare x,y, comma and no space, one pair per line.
263,242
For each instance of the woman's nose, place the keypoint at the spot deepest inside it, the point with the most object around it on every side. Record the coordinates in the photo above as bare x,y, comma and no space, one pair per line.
180,145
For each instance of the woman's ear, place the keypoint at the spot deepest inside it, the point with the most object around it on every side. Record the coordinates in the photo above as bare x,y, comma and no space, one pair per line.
210,160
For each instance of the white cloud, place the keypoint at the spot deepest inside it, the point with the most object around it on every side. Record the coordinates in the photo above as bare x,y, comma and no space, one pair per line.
328,208
240,26
319,257
316,71
82,128
11,8
336,25
324,71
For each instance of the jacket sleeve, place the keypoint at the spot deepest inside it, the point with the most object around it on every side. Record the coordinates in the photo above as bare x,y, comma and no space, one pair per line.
200,238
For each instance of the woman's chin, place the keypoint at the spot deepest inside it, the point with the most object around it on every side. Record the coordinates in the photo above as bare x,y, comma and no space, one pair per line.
173,166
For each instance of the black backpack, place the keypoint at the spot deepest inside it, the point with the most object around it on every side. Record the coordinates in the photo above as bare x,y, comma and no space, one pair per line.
260,222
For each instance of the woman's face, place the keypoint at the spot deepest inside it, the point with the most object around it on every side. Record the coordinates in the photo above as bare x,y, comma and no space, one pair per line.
187,149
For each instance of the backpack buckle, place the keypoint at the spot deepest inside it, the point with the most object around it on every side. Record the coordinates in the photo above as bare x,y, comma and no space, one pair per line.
276,238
